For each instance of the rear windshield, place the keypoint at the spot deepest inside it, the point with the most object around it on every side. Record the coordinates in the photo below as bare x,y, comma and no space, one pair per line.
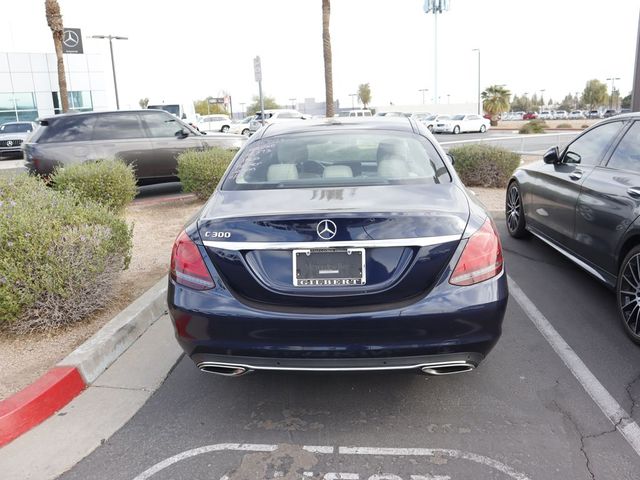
457,117
16,128
353,158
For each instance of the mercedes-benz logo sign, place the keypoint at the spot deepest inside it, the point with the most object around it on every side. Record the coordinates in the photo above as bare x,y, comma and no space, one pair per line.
326,229
10,143
71,39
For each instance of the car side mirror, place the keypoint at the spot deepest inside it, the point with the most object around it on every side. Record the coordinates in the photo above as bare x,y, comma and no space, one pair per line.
452,159
182,133
552,155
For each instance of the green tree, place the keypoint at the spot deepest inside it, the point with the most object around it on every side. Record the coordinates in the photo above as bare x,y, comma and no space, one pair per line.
143,102
495,100
54,20
535,103
594,94
269,104
626,102
568,103
326,50
364,94
203,107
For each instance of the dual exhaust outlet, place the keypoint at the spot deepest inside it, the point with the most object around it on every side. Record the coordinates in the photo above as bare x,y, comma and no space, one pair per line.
435,369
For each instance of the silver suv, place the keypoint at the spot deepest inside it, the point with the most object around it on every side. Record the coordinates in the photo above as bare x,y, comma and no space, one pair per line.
12,135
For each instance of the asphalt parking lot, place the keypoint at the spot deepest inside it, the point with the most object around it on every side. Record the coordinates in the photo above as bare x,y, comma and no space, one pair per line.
521,415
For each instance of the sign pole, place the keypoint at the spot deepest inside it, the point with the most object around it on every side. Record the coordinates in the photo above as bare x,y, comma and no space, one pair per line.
635,95
257,71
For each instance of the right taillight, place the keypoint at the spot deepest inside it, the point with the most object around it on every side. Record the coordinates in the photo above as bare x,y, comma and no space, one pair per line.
187,265
481,258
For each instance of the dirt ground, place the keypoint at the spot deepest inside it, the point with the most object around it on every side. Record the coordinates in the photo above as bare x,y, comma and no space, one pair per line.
23,359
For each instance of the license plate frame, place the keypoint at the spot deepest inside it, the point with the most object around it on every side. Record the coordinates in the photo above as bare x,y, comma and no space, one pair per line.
330,277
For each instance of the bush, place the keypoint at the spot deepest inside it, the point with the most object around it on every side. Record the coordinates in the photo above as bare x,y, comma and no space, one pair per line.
484,165
564,125
200,171
533,126
59,255
584,126
111,183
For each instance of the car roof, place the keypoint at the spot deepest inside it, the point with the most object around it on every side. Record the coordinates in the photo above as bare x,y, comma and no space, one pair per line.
101,112
401,124
17,123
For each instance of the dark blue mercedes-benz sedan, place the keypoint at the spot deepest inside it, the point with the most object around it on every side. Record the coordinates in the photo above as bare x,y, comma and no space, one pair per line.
339,245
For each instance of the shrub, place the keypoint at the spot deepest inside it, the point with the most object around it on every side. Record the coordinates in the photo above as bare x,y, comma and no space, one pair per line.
111,183
200,171
584,126
484,165
533,126
58,255
564,125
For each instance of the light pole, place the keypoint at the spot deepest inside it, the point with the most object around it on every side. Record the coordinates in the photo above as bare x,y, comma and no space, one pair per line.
293,103
353,96
113,66
435,7
613,81
542,98
423,90
242,109
479,94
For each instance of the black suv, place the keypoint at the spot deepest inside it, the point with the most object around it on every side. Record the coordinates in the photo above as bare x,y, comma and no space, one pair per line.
150,140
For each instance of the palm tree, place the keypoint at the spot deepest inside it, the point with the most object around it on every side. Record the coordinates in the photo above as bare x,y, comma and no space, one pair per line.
495,100
54,20
364,94
326,48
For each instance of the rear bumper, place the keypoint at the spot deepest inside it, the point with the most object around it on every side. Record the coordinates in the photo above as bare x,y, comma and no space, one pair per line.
449,324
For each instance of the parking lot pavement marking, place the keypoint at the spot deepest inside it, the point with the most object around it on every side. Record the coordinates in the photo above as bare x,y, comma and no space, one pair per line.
620,419
354,451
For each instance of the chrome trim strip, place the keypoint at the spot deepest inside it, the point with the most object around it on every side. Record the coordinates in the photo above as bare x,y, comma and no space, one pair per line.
393,242
417,366
571,257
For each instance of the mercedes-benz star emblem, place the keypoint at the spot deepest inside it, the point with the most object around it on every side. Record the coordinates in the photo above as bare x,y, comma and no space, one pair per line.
71,39
326,229
10,143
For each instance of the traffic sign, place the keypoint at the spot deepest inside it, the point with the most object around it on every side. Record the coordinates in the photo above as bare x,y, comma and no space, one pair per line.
257,69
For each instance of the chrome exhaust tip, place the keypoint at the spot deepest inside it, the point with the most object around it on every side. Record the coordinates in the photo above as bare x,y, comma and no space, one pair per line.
224,370
448,368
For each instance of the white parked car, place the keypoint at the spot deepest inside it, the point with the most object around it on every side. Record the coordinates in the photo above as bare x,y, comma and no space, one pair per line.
576,115
215,123
462,123
241,127
545,115
561,115
275,116
430,121
355,113
13,134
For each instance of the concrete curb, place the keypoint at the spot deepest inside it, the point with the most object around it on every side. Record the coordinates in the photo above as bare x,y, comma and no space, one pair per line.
61,384
179,197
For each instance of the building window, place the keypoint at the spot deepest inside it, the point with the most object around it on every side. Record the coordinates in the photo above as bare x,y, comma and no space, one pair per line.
17,107
79,101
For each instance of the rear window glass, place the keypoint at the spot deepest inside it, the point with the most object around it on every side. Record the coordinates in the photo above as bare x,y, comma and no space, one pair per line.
66,129
353,158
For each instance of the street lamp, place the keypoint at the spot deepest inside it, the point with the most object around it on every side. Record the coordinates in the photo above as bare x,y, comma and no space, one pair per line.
242,109
353,95
113,67
293,103
613,80
423,90
435,7
479,94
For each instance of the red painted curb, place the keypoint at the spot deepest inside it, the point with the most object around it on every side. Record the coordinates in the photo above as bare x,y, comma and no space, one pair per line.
37,402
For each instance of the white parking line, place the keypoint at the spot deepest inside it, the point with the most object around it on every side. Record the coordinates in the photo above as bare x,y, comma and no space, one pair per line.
609,406
397,452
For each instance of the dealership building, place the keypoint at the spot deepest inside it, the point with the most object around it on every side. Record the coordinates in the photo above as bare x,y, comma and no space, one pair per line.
29,84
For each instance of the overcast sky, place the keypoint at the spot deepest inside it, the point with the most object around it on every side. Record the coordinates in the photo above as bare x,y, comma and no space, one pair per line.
194,48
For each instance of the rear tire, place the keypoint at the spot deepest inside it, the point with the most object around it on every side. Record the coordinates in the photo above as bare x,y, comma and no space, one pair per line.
483,129
245,132
225,129
628,294
456,130
514,213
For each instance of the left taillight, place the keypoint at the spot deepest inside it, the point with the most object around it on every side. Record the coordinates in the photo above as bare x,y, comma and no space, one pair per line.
187,265
481,258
